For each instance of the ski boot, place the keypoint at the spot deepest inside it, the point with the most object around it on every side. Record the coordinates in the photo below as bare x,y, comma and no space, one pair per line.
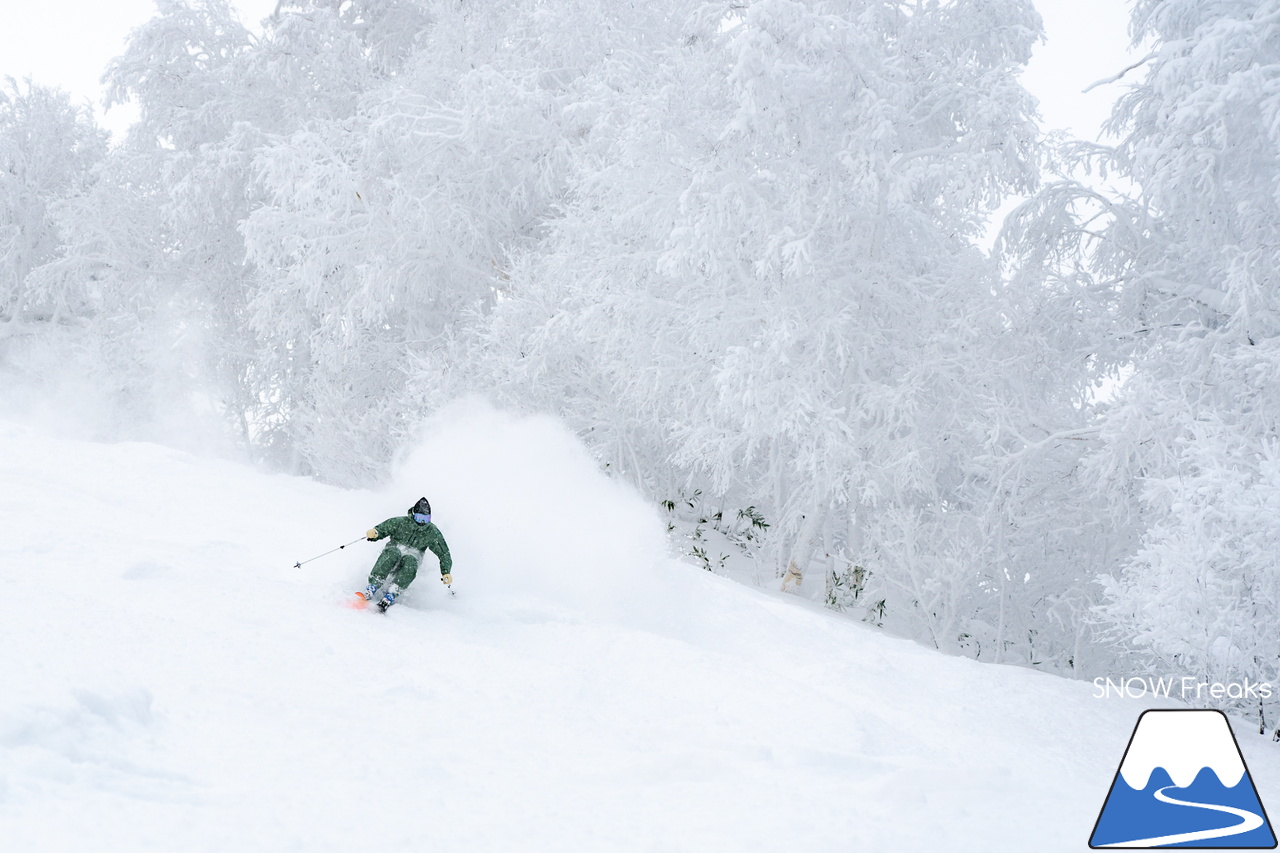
366,595
388,598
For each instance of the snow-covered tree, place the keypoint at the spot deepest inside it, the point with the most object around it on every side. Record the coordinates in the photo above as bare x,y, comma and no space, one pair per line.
381,228
49,149
386,233
1179,282
764,286
164,235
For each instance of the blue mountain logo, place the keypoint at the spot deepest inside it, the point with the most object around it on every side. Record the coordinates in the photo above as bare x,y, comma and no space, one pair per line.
1183,783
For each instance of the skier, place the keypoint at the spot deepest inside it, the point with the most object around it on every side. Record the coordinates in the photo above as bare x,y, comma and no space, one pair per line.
410,535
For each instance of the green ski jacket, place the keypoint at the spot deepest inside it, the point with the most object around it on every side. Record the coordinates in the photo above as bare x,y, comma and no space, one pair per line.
403,530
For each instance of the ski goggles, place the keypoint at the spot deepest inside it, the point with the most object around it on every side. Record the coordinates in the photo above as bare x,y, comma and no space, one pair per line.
422,517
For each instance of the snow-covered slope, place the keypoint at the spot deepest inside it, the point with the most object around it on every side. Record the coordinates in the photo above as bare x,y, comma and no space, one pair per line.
169,681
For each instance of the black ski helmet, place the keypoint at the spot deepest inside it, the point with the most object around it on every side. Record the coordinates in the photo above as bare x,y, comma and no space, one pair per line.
423,506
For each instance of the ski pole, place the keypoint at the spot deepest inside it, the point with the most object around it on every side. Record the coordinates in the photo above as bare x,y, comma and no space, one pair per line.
298,564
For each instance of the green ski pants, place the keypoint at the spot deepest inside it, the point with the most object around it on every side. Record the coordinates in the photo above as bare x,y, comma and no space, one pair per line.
401,567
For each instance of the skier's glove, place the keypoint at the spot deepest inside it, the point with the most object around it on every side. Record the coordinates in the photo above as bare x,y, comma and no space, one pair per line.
446,579
371,534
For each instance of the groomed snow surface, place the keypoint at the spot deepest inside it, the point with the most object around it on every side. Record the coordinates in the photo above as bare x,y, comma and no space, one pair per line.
169,681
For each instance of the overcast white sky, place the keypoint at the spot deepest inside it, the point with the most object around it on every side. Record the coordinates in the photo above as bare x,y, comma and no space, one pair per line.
67,43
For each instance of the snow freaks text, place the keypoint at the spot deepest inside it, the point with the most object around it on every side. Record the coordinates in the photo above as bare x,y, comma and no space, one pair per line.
1186,688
